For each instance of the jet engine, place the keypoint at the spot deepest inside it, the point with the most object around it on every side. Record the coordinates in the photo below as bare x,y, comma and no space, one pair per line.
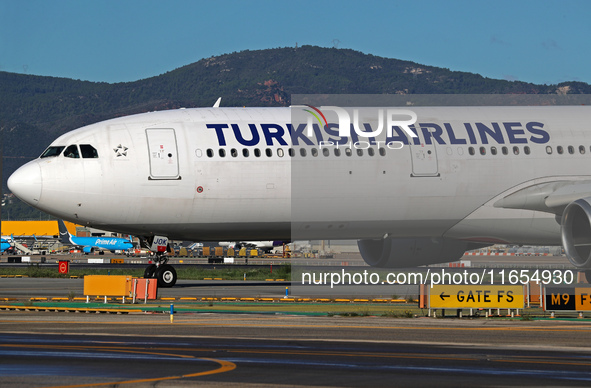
410,252
576,232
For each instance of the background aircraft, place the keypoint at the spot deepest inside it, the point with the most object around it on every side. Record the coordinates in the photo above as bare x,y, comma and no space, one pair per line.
4,245
89,244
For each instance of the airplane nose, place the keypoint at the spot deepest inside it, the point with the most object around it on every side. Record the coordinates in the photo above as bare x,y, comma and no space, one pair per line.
25,183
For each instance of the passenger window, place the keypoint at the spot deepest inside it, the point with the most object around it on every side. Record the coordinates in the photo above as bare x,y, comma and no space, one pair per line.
382,151
482,150
222,153
210,153
526,150
314,152
72,152
245,152
582,149
371,152
549,150
516,150
359,152
348,152
337,152
280,152
493,150
560,150
325,152
291,152
471,150
52,151
269,152
303,152
571,150
234,152
505,151
257,152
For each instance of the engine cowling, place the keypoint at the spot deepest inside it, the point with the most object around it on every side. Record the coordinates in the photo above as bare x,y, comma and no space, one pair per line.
576,232
410,252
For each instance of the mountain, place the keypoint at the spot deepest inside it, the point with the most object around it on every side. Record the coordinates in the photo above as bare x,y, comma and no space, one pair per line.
34,110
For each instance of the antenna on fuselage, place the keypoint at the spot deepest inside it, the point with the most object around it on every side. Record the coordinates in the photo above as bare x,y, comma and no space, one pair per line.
217,103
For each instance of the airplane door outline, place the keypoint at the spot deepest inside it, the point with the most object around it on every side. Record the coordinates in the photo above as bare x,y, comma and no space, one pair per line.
163,154
424,160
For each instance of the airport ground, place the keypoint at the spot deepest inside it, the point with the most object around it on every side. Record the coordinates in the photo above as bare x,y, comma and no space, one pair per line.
270,345
146,350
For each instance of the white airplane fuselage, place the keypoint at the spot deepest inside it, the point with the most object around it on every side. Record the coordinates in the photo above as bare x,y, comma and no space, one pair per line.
184,174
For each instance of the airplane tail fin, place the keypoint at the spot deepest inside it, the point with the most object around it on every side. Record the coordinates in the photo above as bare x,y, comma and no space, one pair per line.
64,234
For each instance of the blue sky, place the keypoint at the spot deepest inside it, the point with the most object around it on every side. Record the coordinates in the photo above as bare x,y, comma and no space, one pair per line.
126,40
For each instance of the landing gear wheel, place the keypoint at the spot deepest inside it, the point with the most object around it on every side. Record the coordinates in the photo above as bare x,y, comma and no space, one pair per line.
150,271
166,276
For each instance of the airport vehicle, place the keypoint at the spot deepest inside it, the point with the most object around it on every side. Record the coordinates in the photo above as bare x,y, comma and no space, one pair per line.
265,246
469,178
90,244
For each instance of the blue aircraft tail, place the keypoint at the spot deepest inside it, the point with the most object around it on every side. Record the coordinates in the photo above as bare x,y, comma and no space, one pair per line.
64,234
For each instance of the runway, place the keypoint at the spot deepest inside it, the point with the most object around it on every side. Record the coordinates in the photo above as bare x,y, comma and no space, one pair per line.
48,349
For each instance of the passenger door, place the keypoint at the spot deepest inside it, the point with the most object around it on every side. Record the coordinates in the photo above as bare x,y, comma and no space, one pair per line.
163,153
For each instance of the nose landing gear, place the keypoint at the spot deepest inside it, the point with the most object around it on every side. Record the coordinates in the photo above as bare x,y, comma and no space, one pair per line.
165,273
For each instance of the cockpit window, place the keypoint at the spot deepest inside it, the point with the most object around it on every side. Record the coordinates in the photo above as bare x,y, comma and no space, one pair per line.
72,152
52,151
88,151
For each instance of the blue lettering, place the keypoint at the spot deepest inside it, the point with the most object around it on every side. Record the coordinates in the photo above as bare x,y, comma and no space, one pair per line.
435,133
297,134
253,130
218,131
494,133
470,131
401,136
415,140
332,132
317,133
452,136
432,133
514,129
367,128
536,128
276,134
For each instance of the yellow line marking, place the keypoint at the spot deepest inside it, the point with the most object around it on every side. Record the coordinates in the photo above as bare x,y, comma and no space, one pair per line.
225,366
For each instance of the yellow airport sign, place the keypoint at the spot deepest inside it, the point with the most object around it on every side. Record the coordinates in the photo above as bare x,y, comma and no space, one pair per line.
566,298
116,285
479,296
583,298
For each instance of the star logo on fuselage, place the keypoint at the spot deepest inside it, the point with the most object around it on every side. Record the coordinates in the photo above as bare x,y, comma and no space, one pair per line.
120,150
